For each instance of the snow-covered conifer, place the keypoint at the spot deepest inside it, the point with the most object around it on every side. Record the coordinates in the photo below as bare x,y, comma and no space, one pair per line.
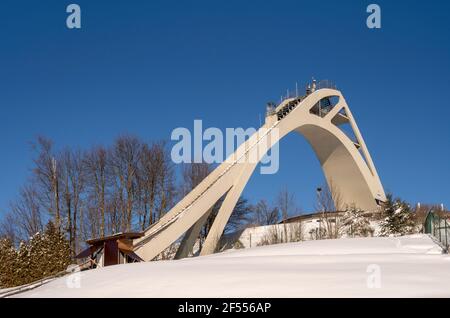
398,218
8,259
355,224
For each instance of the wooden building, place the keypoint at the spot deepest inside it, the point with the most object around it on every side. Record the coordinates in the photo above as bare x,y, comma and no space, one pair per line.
111,250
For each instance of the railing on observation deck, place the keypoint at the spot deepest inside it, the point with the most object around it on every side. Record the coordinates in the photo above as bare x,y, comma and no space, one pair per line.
298,95
295,93
326,84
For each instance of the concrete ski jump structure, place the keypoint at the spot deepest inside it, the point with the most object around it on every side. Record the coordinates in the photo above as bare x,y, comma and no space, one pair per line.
318,116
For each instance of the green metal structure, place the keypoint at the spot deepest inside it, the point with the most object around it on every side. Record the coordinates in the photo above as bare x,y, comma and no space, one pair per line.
438,227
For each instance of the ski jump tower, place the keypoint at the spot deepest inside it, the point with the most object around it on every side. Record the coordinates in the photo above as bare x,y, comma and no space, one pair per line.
320,116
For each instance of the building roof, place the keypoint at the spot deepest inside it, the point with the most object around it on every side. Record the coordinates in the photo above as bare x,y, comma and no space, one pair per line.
116,236
300,217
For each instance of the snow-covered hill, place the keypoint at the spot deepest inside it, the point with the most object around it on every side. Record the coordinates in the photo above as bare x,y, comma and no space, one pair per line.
410,266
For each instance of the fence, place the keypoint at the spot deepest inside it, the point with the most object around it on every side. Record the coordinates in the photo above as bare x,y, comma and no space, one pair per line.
438,227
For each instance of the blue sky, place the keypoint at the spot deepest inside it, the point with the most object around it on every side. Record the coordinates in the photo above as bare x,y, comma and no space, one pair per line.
147,67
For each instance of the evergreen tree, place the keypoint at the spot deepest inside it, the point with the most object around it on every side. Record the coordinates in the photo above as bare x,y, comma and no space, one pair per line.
23,270
35,260
55,251
355,224
8,259
45,254
398,220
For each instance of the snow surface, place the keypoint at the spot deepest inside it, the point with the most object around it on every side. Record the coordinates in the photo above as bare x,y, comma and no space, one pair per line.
409,266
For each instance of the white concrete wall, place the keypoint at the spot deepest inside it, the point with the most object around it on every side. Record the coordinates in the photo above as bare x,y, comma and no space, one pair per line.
254,236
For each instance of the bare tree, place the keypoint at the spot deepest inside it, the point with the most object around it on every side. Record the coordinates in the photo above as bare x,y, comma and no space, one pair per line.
155,183
25,218
9,229
73,183
286,205
46,174
275,234
421,211
166,180
124,159
240,217
193,174
265,214
95,162
329,204
147,185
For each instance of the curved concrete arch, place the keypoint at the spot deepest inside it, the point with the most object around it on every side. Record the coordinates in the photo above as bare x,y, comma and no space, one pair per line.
345,162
